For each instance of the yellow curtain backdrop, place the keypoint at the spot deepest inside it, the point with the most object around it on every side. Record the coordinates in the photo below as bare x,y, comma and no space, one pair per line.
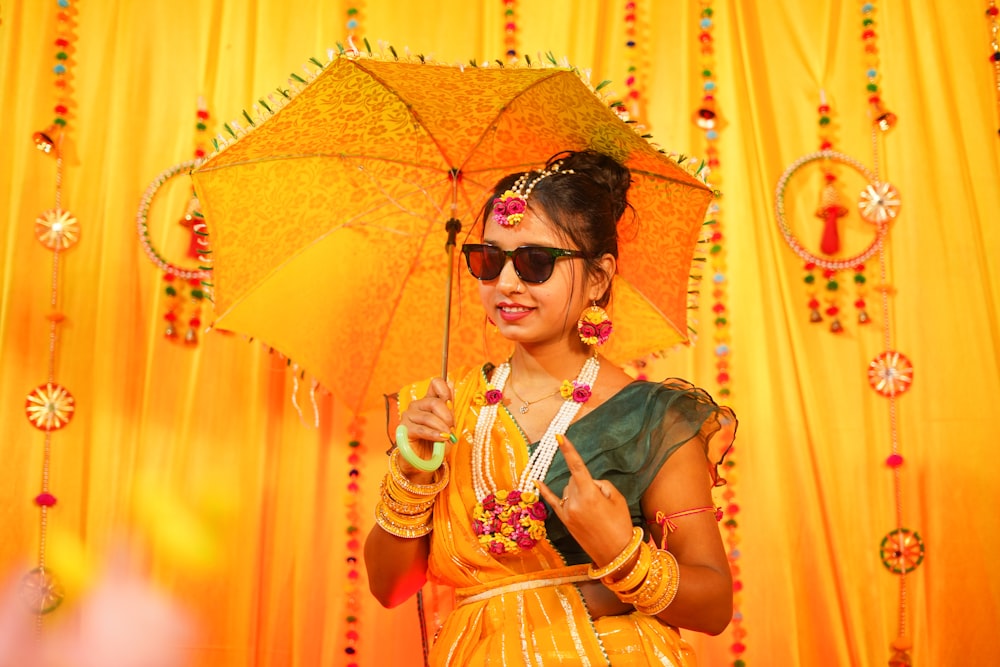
192,466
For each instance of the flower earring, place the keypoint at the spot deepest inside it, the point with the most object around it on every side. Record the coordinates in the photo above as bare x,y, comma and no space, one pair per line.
594,326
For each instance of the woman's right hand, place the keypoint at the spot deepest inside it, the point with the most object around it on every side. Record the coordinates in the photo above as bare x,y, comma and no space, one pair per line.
428,420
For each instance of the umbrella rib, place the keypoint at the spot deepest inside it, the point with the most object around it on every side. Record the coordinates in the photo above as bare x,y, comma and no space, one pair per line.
500,112
414,115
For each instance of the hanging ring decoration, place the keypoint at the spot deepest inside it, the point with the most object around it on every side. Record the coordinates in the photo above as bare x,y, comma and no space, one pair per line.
879,205
142,216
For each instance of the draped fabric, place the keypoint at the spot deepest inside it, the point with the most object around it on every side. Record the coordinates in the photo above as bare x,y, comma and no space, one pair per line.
195,464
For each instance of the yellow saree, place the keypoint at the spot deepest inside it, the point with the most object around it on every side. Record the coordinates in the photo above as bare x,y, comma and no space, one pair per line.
524,608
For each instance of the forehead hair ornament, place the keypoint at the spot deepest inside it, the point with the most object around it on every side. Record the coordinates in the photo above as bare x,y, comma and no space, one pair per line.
509,208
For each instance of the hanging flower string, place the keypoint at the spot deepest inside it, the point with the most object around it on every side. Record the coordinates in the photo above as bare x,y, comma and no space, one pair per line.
994,26
510,29
50,406
707,119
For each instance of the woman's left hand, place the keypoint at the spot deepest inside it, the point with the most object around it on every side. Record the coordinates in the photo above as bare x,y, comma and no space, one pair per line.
593,510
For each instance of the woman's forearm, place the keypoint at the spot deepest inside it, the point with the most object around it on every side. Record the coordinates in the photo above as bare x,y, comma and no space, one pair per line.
396,566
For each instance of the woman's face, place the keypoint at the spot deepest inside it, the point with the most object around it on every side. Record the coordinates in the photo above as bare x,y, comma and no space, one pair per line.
530,313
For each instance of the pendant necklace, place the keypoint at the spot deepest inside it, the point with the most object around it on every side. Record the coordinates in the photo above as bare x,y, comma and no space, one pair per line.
525,404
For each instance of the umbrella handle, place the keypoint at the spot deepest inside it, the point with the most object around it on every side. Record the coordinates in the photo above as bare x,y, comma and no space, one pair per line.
427,465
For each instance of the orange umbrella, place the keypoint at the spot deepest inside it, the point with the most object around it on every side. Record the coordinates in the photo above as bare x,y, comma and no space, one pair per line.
328,220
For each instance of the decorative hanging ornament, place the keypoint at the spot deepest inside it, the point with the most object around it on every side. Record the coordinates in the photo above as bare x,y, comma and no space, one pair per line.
879,203
57,229
890,373
41,591
882,212
49,407
902,551
183,287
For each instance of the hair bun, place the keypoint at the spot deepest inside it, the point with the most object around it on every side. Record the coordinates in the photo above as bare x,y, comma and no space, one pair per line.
602,169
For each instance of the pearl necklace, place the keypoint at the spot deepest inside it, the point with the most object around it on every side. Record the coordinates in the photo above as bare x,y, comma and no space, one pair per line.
507,522
541,458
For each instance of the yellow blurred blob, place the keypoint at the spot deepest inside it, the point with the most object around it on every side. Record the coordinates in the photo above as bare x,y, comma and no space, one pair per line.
177,530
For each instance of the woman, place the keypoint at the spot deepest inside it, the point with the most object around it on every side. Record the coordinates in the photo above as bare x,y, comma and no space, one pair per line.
544,536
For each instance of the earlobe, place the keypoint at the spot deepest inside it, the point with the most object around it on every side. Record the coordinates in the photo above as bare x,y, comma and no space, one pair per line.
602,282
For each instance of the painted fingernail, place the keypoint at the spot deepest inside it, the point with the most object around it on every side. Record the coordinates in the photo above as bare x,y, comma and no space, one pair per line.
560,438
453,438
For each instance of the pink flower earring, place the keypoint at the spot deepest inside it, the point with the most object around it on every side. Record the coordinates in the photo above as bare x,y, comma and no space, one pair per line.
594,326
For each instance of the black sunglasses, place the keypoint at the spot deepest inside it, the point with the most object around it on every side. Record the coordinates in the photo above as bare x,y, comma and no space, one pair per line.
532,264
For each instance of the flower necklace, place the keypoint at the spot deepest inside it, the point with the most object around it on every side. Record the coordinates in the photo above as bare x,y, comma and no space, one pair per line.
508,521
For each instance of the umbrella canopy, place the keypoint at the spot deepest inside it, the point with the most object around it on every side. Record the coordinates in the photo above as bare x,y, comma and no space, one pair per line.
327,221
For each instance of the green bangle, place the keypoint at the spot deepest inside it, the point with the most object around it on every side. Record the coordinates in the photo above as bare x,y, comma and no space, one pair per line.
427,465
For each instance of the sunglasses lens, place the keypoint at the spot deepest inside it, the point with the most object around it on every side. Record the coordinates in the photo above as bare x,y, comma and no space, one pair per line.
534,265
485,262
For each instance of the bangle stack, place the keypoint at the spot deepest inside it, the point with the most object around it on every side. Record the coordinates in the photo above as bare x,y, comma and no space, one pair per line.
404,509
651,583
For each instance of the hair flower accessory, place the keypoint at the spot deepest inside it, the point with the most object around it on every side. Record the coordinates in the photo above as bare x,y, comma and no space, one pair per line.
508,209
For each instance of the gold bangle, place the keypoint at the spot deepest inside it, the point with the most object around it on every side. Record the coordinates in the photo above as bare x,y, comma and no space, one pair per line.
404,519
402,506
672,581
631,581
648,585
621,559
386,521
649,595
416,489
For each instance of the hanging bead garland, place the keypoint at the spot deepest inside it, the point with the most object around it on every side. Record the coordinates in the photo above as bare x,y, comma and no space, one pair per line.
352,605
883,119
634,99
510,29
706,118
994,26
50,406
353,545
